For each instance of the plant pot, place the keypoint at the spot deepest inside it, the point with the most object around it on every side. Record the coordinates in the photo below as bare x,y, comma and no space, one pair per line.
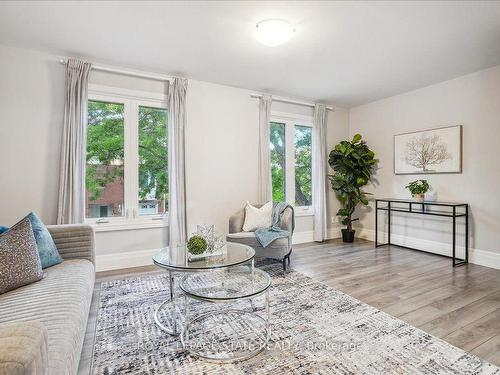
348,235
419,197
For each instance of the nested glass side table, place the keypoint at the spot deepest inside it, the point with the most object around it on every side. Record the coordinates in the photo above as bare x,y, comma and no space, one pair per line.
228,334
175,259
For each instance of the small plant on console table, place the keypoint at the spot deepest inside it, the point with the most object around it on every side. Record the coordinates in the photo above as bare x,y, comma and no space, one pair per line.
353,164
418,188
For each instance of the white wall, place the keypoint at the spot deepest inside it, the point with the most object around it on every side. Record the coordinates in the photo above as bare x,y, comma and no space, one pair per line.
472,101
31,112
221,151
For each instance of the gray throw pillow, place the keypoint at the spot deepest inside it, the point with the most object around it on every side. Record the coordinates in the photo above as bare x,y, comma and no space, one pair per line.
19,260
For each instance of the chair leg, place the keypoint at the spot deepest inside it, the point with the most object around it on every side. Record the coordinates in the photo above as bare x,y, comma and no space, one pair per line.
286,259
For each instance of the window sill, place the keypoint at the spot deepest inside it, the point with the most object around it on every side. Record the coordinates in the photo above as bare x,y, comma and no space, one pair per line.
128,225
303,213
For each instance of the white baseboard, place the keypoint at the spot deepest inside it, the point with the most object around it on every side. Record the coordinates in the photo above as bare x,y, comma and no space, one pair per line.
476,256
107,262
486,258
302,237
308,236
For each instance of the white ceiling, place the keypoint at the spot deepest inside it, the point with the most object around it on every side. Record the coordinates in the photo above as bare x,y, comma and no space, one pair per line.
344,53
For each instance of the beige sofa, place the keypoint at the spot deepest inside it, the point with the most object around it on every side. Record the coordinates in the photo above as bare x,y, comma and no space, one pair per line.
42,325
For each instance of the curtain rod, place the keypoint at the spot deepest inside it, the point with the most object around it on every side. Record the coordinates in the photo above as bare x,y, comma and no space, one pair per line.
290,101
102,68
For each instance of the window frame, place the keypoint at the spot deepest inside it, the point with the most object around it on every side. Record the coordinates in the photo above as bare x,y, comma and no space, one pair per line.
131,100
290,120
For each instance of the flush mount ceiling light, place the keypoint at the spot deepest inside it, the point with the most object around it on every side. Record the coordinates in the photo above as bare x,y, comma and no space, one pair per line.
274,32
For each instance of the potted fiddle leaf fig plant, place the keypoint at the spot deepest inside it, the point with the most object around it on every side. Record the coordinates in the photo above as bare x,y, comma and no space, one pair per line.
353,164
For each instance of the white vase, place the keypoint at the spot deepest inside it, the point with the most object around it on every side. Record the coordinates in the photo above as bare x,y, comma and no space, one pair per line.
419,197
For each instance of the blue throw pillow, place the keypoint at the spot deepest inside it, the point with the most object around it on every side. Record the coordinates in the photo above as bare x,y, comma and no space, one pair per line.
3,229
49,256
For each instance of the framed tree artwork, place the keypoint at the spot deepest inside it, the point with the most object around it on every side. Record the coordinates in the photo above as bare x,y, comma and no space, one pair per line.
429,151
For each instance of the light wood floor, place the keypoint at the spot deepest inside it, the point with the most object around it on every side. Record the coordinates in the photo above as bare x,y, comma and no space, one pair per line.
460,305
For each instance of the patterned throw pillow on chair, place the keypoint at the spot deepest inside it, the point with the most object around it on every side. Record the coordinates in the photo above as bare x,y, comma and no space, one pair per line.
19,260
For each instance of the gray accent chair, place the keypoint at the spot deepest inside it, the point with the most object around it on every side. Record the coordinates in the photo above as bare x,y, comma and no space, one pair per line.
42,325
280,249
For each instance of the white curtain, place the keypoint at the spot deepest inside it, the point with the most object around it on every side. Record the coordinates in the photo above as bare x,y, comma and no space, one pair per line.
71,203
265,183
319,173
177,224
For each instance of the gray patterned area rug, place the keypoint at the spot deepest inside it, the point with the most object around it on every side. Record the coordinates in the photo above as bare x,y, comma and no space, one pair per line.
316,329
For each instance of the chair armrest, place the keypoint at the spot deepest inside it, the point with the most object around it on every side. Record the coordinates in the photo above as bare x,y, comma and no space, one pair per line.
74,241
236,222
23,348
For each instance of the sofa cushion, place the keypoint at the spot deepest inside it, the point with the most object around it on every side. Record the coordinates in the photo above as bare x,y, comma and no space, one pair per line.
61,301
19,260
3,229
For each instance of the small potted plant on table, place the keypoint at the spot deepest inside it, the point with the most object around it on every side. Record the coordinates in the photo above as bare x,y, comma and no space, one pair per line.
418,188
353,164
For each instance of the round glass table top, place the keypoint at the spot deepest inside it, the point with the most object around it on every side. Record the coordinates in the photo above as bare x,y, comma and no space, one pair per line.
178,258
227,284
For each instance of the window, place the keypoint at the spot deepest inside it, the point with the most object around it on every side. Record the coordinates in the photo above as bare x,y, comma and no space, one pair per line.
278,160
303,165
291,160
153,168
105,159
127,169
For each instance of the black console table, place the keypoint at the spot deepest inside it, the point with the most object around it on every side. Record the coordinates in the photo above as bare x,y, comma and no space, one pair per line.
444,209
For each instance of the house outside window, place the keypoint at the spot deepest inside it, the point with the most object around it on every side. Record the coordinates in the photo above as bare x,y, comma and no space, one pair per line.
127,165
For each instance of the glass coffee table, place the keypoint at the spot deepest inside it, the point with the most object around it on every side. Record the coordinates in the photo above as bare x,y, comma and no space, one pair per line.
176,259
230,334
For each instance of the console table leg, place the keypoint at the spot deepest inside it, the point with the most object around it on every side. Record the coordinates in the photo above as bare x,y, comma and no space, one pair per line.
454,235
467,234
376,223
389,223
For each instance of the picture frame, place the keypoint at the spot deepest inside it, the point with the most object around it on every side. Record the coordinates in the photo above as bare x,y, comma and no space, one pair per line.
430,151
